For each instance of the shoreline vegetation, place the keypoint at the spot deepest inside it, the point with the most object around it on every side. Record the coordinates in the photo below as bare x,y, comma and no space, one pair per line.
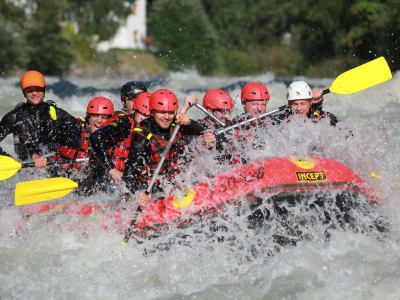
222,38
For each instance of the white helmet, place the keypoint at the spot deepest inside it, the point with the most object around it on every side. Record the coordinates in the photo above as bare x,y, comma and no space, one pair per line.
299,90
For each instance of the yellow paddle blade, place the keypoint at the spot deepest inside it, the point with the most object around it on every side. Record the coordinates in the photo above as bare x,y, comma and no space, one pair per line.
362,77
43,190
8,167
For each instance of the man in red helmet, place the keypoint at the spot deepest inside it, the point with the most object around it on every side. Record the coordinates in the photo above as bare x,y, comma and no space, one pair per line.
254,98
151,138
220,104
98,111
217,102
38,127
111,144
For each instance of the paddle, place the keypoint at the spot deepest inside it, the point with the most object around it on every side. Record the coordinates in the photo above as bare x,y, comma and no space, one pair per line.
34,191
250,120
210,115
9,166
357,79
362,77
129,232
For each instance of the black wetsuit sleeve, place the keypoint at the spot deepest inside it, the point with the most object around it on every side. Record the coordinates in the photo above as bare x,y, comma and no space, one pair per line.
108,136
136,172
65,130
68,130
194,128
6,124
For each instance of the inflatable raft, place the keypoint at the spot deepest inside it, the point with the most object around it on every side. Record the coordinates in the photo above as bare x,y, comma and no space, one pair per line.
275,176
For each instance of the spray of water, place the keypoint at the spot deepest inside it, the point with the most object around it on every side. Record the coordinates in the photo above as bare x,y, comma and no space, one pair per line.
319,245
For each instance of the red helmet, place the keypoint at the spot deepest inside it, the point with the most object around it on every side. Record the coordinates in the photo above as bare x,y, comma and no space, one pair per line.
254,91
163,100
141,103
217,99
101,106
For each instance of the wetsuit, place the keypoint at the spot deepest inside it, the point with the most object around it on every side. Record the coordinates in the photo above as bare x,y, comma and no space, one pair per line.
146,149
111,143
40,129
316,114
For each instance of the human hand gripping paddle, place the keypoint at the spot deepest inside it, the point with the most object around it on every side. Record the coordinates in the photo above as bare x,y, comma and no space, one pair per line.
129,232
357,79
9,166
192,100
34,191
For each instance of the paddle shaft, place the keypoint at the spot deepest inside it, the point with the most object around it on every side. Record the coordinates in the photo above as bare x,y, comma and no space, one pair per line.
210,115
150,186
326,91
55,162
218,132
162,158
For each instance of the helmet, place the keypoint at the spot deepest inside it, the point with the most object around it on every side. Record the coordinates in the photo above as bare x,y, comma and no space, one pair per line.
141,103
131,90
32,78
101,106
254,91
217,99
299,90
163,100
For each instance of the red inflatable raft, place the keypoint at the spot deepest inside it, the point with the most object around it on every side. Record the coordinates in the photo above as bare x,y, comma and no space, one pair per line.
270,176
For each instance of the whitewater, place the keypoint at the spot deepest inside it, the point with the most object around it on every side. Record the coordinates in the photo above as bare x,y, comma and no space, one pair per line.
57,256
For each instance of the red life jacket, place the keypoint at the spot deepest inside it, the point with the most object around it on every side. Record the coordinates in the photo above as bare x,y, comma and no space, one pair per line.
69,153
171,165
120,152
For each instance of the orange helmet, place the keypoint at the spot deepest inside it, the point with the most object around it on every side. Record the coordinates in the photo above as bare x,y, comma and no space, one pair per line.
141,103
32,78
101,106
254,91
163,100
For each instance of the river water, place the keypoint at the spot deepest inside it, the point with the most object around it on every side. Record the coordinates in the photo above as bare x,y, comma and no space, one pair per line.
64,257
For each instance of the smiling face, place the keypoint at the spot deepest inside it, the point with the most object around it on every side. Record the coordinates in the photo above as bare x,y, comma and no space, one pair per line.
163,118
34,95
96,121
301,107
256,107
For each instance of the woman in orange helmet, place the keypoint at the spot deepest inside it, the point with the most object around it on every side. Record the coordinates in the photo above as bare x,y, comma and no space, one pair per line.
38,127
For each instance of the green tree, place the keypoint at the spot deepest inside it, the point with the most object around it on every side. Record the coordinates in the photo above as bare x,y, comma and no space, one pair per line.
11,41
48,50
97,17
184,35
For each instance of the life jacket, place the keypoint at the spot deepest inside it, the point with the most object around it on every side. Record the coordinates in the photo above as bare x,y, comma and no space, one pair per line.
171,166
64,152
120,152
243,133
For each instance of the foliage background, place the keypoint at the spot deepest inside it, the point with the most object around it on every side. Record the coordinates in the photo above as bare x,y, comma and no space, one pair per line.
233,37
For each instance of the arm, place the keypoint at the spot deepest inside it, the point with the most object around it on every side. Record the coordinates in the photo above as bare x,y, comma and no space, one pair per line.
102,139
5,129
136,173
68,130
190,100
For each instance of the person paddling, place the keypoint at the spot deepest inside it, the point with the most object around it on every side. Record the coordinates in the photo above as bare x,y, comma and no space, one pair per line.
152,136
306,102
220,104
98,111
111,144
255,97
38,127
